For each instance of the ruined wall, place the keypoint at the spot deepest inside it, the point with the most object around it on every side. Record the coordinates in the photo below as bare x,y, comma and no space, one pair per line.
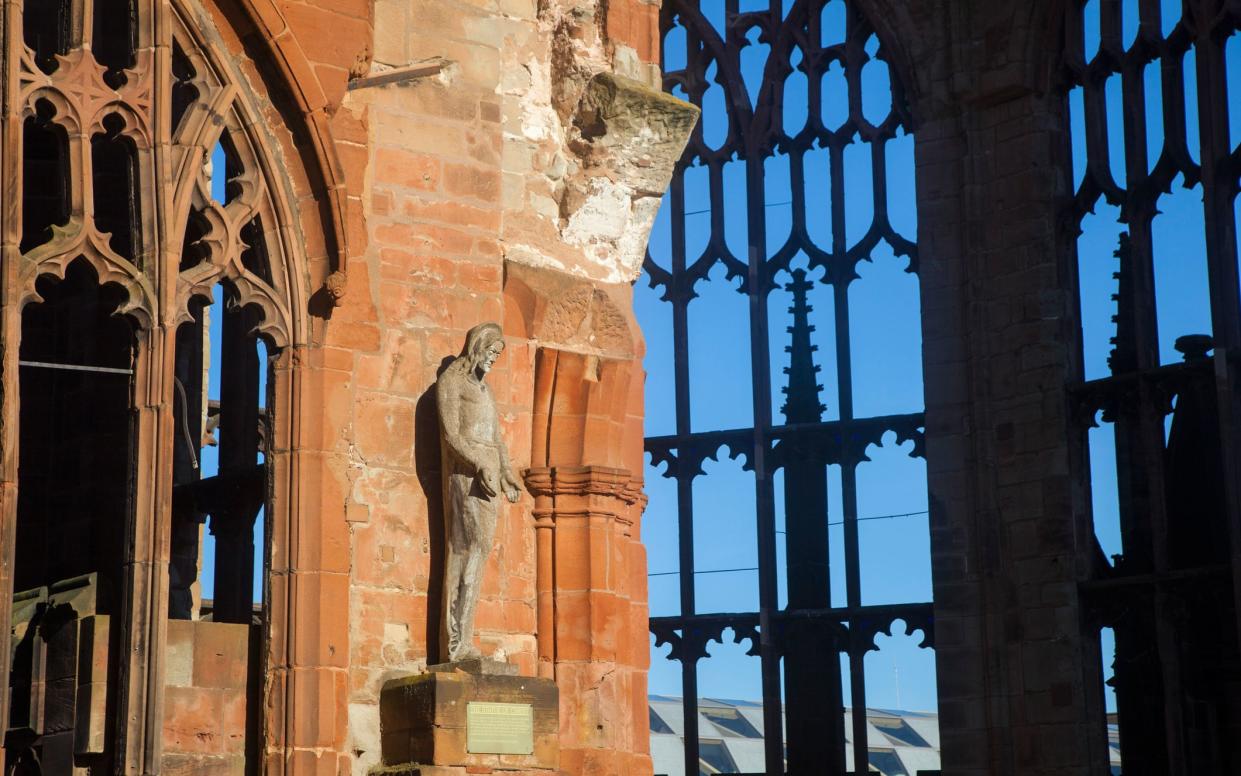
422,166
453,161
476,138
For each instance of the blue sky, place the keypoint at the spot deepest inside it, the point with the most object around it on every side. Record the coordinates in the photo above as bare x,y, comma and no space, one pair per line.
884,321
209,465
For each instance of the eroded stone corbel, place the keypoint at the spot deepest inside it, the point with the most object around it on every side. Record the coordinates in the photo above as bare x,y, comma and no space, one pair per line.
627,138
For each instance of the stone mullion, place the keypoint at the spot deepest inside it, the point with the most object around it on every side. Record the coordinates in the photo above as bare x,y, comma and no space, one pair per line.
277,724
10,338
145,596
144,621
10,325
139,708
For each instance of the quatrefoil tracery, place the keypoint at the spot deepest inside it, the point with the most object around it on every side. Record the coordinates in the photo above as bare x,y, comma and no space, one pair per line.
223,246
81,100
80,239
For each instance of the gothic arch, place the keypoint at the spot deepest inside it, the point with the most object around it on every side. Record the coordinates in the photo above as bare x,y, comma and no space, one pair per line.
181,97
903,44
303,87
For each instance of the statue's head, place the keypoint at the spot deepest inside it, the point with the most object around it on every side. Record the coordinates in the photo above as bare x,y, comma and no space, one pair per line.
483,345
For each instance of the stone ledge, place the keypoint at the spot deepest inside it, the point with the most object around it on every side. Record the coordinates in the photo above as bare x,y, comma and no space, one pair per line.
458,770
478,666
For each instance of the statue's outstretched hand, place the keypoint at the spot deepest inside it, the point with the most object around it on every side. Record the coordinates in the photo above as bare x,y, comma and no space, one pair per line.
512,488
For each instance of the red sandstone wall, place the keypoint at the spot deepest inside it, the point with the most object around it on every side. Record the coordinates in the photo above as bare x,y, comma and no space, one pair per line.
450,181
458,182
205,697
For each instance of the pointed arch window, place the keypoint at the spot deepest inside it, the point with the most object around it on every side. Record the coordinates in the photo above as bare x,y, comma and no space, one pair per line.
149,260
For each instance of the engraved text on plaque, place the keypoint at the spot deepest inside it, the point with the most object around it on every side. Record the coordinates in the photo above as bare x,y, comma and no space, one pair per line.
499,728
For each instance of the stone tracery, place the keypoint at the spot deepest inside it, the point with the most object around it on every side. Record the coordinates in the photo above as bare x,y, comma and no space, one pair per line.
117,187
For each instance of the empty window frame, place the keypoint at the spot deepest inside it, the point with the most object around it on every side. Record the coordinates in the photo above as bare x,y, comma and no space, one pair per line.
1155,167
94,407
798,173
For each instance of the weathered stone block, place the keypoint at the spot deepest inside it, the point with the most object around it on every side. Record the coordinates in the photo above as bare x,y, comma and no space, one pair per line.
423,719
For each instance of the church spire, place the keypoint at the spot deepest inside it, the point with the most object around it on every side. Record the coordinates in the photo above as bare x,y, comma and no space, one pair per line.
802,403
1124,355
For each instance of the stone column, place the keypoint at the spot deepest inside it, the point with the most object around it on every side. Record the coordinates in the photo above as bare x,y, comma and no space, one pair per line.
592,609
598,643
307,636
1008,509
1008,515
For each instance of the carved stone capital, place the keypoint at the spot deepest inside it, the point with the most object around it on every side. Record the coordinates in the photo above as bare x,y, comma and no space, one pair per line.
604,481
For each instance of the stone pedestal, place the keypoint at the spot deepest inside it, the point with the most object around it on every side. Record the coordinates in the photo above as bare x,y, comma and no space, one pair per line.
477,666
459,770
447,720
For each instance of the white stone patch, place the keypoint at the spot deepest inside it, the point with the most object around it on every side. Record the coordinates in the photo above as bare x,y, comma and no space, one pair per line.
179,665
538,119
515,80
603,216
532,256
625,62
545,206
364,737
396,633
631,249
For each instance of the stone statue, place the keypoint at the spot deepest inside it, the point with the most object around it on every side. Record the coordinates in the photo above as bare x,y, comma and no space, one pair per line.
475,472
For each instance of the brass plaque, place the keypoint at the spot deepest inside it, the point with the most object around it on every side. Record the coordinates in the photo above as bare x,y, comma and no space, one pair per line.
499,728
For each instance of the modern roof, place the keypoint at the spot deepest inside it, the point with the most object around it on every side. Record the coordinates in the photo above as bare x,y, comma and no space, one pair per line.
730,732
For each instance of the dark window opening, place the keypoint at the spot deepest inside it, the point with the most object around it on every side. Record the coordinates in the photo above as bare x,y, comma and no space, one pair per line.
243,431
886,762
254,257
220,469
45,177
233,168
115,38
46,30
74,505
730,720
193,250
194,429
714,758
899,731
184,92
116,189
657,723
